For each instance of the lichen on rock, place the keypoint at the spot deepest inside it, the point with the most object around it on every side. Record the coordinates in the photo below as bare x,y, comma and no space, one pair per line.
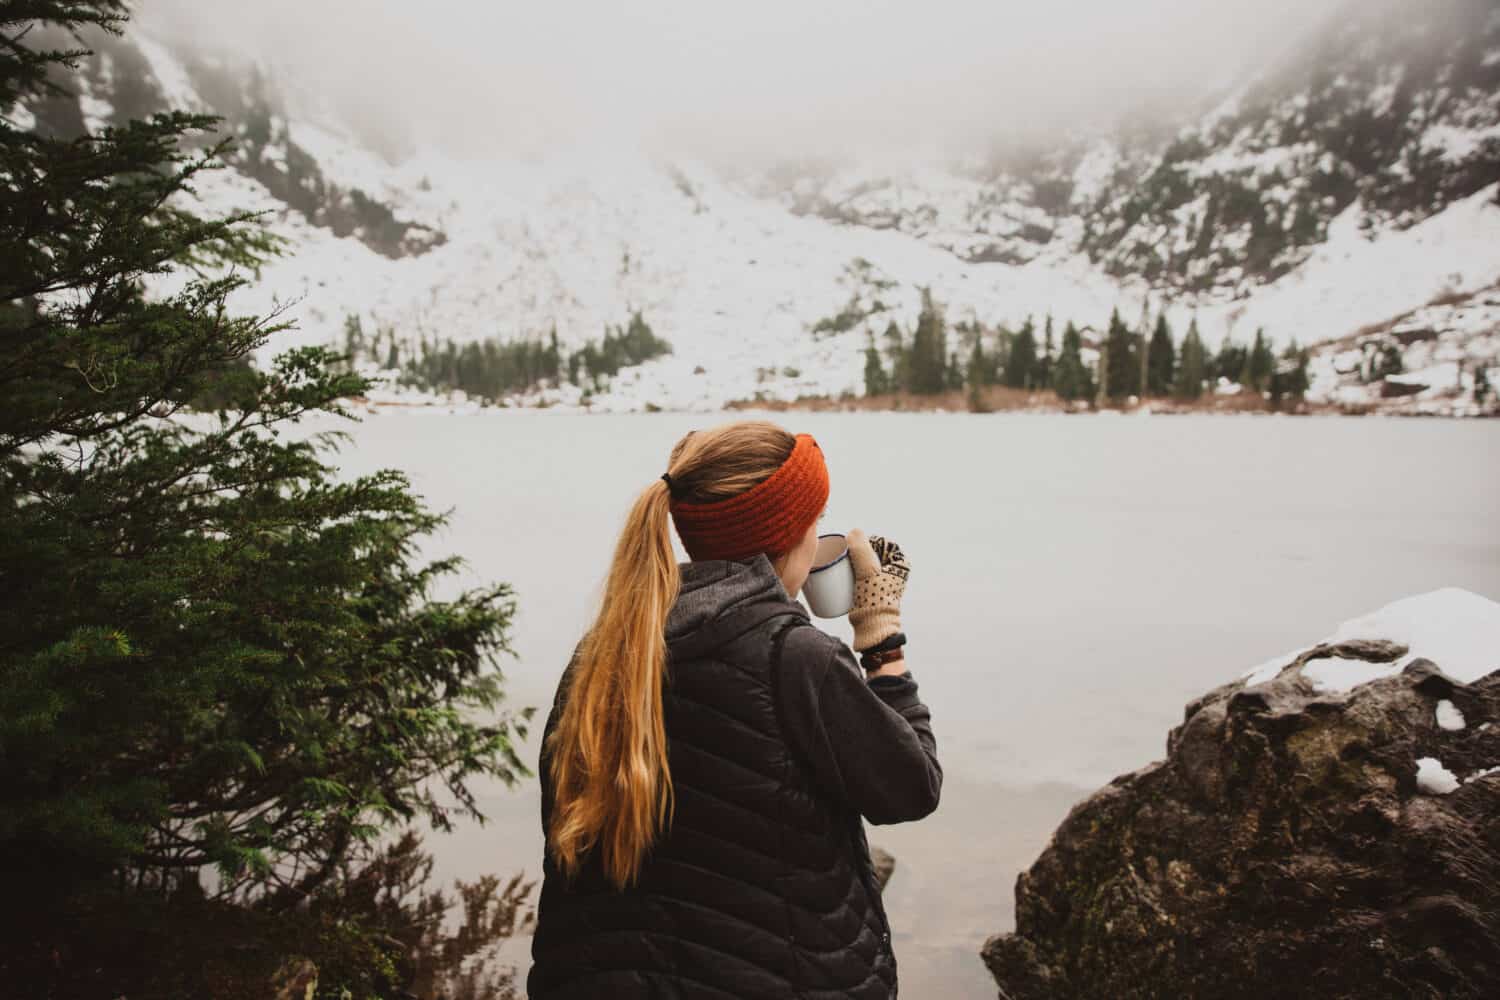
1286,845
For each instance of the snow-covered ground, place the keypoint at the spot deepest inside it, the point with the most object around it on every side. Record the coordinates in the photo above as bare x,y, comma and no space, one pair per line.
1354,280
1444,347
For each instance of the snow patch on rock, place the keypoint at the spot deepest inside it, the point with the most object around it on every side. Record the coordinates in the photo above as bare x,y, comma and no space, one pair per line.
1448,716
1337,674
1454,628
1268,670
1433,778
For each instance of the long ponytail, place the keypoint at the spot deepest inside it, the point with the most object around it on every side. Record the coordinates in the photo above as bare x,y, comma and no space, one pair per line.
609,768
610,776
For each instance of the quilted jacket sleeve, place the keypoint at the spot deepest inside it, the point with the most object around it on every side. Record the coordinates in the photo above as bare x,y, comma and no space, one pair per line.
869,743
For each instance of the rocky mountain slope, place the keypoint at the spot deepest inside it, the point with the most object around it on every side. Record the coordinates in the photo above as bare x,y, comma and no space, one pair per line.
1348,185
137,76
1390,110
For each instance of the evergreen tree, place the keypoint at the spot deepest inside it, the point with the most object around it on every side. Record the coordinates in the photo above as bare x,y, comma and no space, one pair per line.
925,375
978,374
1383,360
1043,376
953,374
554,360
1000,357
1482,390
877,383
929,353
1304,226
354,341
1188,383
492,368
1123,369
1163,359
1258,365
1296,381
900,356
1142,349
218,652
1230,362
1020,368
1070,377
940,345
1263,357
1101,371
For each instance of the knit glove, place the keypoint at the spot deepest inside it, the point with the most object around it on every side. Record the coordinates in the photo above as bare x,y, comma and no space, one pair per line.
880,571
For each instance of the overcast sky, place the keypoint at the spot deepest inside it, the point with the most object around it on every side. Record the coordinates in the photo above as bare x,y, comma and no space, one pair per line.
785,77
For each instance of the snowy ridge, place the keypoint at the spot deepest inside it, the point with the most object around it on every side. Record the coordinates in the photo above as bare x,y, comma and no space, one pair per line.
770,284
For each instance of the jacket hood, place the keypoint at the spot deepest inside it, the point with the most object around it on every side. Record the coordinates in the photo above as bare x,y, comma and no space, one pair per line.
713,589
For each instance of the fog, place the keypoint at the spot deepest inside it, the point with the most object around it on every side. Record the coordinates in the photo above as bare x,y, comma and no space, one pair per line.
776,77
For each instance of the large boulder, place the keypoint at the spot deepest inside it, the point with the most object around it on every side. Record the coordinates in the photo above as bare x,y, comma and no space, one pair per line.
1328,825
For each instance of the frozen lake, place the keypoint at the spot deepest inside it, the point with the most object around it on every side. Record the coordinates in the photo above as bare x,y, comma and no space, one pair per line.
1075,581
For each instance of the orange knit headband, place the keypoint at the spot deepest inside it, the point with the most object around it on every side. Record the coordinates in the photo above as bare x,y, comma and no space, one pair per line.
771,516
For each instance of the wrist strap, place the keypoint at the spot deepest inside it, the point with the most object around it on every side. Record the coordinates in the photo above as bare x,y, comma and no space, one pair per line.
875,660
894,641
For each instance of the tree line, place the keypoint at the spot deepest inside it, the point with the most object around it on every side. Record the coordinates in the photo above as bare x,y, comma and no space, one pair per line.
492,368
1141,361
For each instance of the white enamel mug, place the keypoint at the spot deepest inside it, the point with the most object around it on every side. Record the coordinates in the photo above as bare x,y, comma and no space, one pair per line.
830,584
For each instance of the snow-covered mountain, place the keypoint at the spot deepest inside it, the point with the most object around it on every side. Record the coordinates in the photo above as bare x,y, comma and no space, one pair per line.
1353,183
1393,111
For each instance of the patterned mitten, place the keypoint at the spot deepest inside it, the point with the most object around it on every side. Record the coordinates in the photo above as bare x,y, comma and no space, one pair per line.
880,571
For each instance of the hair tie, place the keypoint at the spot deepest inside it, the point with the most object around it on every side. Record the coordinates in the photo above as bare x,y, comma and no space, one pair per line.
667,478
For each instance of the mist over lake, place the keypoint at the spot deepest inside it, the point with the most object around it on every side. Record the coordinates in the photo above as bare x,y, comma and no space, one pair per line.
1075,581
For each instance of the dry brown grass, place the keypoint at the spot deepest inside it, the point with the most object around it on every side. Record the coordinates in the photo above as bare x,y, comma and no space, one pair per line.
1452,297
994,399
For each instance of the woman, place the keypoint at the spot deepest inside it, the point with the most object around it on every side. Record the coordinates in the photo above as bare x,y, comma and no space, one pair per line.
710,753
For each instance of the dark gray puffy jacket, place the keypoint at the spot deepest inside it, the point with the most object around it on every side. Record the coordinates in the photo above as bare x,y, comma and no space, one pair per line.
762,886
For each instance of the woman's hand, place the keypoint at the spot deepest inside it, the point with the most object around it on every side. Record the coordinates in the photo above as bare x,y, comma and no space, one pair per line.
880,572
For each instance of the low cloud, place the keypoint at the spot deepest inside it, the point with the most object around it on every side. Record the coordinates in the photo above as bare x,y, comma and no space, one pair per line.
775,78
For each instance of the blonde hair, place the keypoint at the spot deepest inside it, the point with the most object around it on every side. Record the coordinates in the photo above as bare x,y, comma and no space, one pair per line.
610,776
